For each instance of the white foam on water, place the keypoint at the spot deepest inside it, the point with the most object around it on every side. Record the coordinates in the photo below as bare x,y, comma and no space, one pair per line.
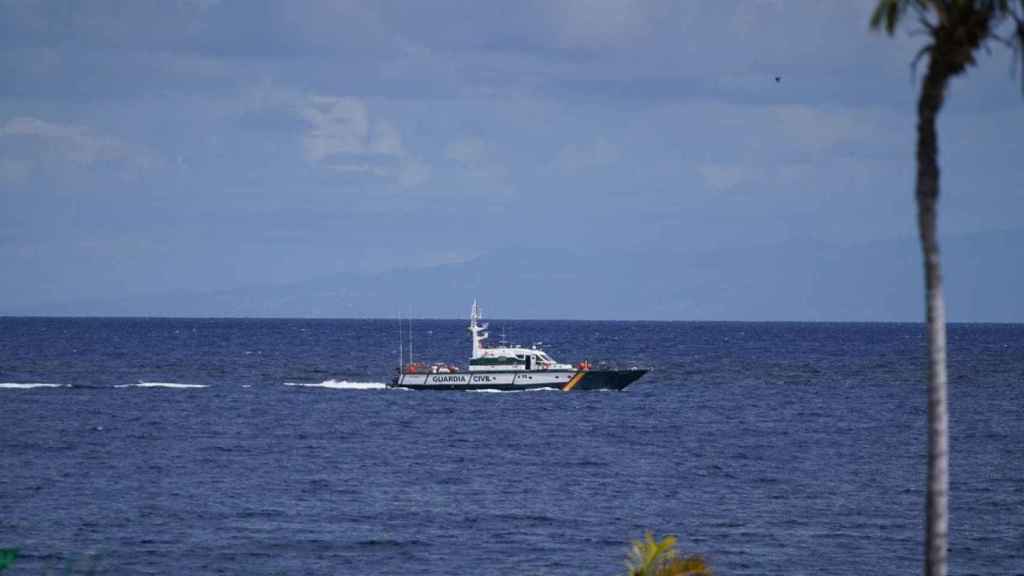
340,385
30,385
160,385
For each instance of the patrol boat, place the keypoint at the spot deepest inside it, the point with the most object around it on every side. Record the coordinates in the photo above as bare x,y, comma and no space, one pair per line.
510,368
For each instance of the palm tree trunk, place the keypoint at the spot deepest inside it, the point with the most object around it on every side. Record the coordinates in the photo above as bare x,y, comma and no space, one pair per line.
937,517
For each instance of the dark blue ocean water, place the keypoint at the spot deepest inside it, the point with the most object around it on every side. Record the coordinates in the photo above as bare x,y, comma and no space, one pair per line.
771,448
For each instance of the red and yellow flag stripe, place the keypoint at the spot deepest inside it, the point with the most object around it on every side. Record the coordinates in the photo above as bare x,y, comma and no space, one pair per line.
573,381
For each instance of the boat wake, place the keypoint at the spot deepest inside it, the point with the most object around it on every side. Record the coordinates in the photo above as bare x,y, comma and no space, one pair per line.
160,385
30,385
339,385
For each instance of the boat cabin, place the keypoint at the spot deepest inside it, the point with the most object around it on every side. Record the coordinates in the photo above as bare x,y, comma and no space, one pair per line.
505,359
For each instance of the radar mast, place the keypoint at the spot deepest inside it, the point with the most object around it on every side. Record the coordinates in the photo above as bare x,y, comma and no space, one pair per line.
478,330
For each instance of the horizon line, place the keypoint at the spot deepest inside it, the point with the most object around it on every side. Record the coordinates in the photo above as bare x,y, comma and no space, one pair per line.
454,319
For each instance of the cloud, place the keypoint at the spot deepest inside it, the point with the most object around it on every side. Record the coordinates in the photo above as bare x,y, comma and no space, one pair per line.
201,5
77,145
816,129
600,23
783,144
576,158
467,151
14,171
386,140
477,160
413,172
337,126
342,136
360,167
722,176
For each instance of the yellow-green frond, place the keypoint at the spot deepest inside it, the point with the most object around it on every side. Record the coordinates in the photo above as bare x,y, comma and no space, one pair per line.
651,557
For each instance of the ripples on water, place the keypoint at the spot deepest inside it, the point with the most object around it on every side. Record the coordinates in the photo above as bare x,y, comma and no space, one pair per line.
268,447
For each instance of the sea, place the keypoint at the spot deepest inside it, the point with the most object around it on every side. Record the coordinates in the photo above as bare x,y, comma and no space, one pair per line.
254,446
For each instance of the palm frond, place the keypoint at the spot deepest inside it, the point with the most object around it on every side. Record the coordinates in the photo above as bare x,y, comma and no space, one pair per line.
926,24
1016,39
887,15
651,557
925,50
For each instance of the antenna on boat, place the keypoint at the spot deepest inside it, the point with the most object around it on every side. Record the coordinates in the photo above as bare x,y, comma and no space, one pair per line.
401,355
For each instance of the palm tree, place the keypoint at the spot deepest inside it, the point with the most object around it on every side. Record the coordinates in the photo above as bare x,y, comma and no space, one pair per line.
956,29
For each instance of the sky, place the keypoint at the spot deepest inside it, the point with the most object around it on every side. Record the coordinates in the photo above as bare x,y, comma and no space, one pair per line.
705,160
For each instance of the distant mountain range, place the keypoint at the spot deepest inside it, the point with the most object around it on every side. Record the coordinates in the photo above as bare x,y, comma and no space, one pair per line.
800,281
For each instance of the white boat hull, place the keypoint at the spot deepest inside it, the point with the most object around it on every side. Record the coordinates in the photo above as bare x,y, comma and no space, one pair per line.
520,380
